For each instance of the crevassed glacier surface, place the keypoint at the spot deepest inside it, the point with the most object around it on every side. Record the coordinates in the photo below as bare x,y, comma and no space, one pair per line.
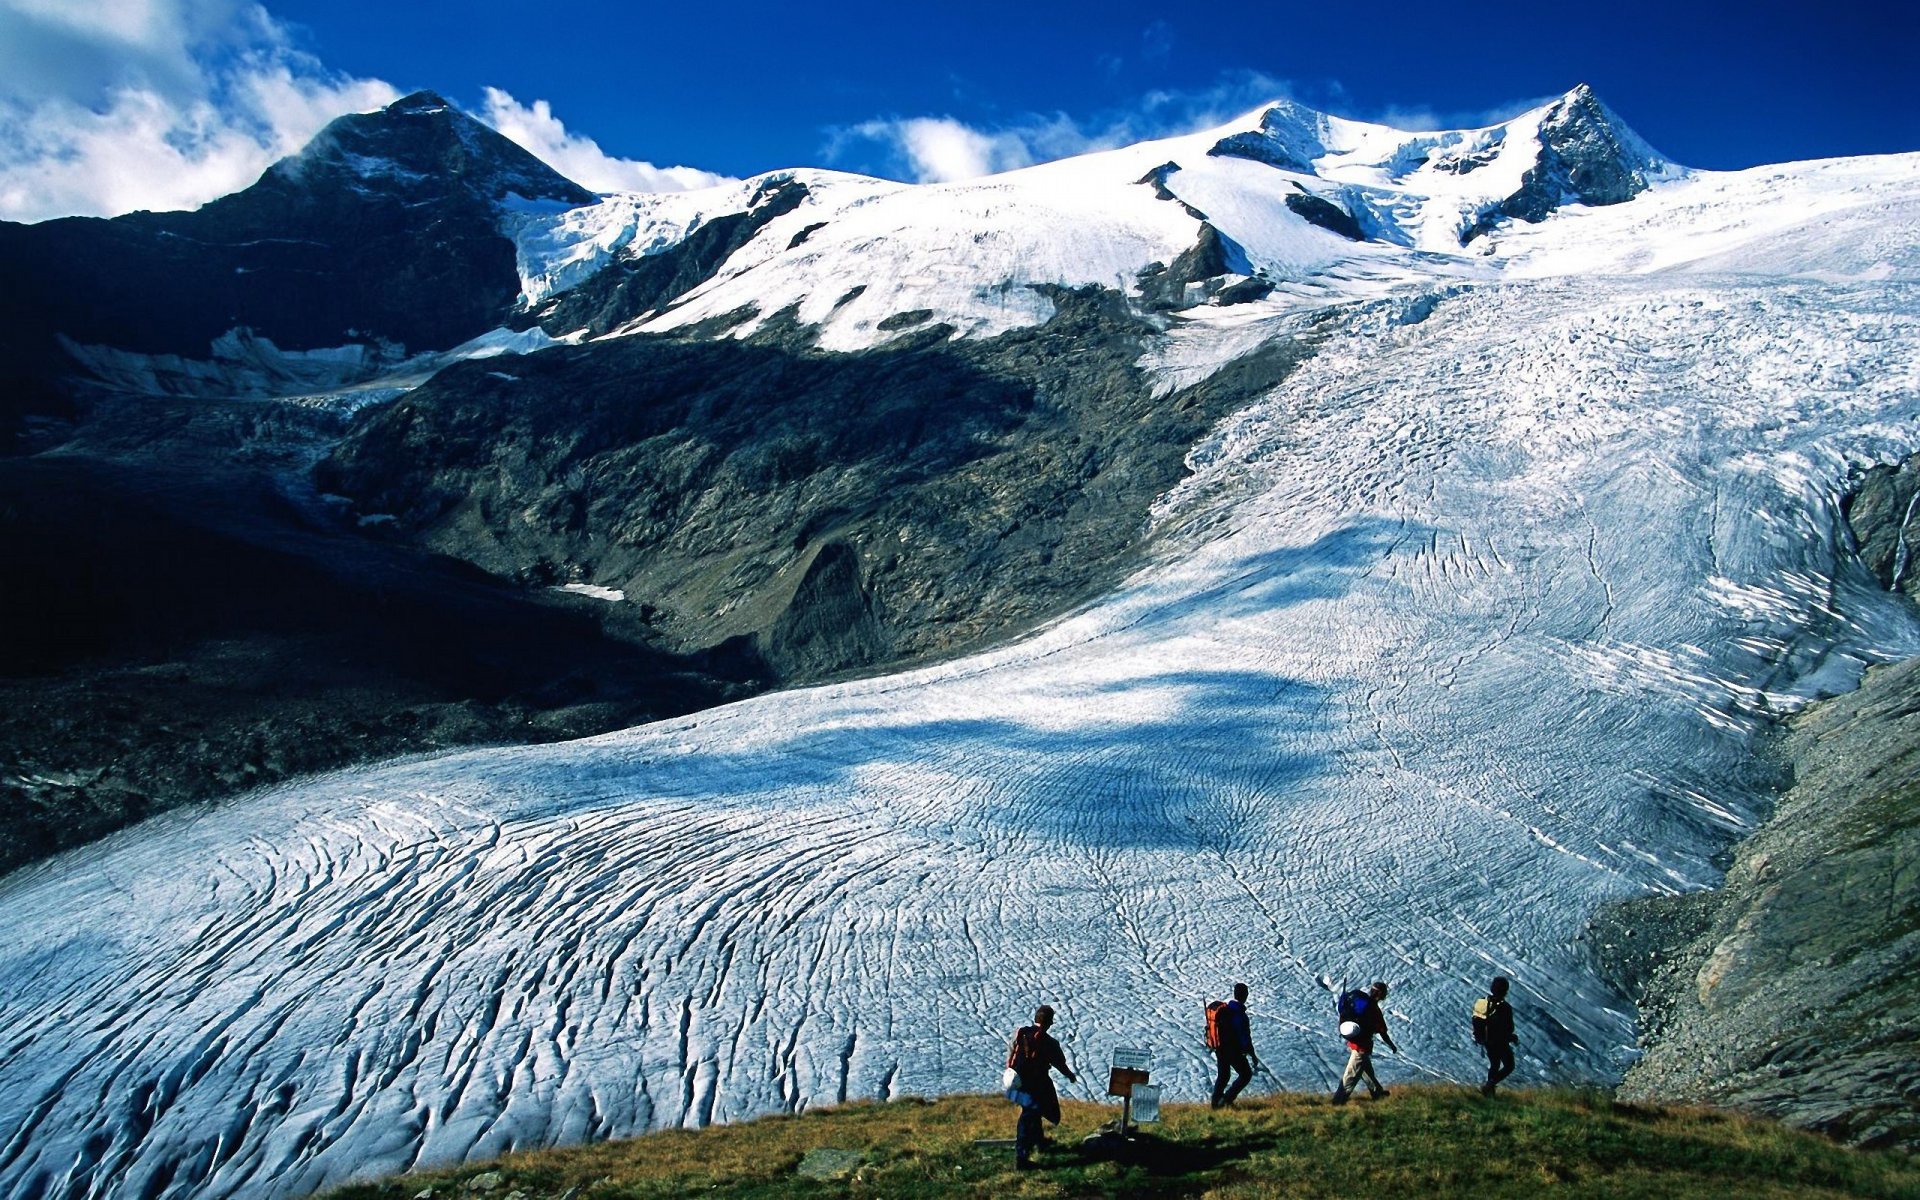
1464,630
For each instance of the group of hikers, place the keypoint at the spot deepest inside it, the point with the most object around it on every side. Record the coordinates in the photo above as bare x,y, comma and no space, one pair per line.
1035,1054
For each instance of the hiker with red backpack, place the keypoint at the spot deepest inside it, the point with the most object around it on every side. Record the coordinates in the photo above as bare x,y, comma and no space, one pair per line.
1231,1040
1030,1058
1493,1030
1361,1020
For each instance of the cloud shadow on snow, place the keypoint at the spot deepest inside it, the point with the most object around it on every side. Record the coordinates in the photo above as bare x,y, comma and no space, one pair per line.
1215,746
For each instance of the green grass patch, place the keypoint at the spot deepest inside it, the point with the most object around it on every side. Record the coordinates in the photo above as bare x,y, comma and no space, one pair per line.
1416,1142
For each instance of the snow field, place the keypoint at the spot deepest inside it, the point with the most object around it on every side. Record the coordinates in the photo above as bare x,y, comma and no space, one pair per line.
1463,631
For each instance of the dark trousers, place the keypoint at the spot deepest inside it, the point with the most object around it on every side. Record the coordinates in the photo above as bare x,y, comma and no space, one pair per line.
1027,1131
1232,1062
1499,1065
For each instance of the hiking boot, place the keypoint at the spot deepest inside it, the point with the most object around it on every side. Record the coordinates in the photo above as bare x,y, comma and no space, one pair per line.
1486,1089
1382,1094
1340,1095
1023,1164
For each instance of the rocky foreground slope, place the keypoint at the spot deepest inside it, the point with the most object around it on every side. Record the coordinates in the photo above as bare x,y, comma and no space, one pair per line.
1793,989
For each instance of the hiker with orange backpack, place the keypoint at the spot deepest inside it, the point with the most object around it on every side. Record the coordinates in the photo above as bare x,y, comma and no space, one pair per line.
1030,1058
1361,1020
1231,1039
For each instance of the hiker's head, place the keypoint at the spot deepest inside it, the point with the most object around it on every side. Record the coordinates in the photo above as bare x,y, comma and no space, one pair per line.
1240,992
1499,986
1043,1016
1378,991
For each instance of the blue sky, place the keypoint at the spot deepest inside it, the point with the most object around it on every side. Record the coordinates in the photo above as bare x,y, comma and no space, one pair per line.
931,90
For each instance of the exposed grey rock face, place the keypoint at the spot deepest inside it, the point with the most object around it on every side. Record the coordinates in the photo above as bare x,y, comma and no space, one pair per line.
1794,989
1214,268
1290,137
178,631
1882,514
831,512
386,228
1326,214
335,244
1586,156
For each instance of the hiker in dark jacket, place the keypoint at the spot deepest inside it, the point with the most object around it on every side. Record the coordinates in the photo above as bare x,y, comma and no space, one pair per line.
1031,1057
1234,1054
1493,1029
1371,1023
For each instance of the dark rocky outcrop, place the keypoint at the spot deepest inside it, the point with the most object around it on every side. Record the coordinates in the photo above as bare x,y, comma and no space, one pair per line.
1214,268
1794,988
1326,214
905,320
1157,180
338,243
1586,157
178,633
837,512
1881,514
1290,137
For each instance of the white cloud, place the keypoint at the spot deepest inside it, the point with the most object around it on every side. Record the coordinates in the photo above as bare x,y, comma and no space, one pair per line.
940,149
115,105
580,158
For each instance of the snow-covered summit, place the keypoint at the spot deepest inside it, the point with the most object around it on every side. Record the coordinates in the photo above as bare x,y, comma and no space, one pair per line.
1280,207
1574,150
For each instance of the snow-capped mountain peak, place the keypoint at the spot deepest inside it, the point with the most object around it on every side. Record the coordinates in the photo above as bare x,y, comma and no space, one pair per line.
1284,201
421,143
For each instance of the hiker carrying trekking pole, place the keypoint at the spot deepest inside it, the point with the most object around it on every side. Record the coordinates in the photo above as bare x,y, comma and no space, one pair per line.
1361,1020
1230,1037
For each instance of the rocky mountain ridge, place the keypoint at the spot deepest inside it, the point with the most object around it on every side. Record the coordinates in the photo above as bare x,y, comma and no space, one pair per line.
1793,988
388,231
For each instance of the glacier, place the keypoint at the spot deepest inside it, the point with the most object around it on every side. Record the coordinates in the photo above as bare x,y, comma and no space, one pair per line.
1470,626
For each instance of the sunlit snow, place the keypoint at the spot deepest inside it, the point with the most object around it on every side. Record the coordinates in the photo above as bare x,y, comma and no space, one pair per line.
1465,629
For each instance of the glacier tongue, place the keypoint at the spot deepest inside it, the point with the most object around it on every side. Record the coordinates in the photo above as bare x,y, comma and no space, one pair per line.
1463,631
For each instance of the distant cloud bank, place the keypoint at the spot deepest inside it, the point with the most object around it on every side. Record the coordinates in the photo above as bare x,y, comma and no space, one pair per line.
580,158
108,106
942,149
115,105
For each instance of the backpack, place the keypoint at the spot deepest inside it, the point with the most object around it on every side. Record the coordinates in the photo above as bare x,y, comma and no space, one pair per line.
1481,1008
1023,1055
1354,1005
1216,1020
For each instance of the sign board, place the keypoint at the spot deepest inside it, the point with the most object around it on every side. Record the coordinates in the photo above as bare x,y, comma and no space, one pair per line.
1121,1081
1146,1102
1133,1058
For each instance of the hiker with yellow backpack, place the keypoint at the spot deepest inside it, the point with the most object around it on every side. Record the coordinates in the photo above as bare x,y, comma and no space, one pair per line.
1231,1039
1493,1030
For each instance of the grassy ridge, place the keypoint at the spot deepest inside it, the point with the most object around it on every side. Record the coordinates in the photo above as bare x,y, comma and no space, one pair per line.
1416,1142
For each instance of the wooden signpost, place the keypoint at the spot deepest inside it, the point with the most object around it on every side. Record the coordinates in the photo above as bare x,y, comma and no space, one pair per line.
1127,1079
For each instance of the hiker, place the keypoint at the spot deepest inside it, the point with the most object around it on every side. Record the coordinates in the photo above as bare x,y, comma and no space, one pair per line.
1231,1040
1032,1055
1361,1020
1493,1030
